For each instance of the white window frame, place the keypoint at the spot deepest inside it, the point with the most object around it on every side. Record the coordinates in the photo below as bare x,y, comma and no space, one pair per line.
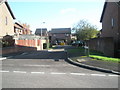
112,22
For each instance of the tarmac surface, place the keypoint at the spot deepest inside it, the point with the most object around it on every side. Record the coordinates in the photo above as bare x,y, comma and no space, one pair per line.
50,69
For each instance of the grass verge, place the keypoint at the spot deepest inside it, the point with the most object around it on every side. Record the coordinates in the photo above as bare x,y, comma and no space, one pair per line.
104,58
80,52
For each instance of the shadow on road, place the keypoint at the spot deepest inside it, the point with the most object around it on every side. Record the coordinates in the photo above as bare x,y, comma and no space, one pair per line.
56,55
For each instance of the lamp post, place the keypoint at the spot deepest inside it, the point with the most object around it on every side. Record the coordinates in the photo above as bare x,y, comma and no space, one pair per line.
41,36
41,28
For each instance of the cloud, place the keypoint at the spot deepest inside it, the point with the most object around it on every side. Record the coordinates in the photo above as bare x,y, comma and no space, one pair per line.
68,10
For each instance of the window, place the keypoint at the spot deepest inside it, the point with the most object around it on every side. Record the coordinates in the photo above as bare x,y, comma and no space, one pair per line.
112,22
6,20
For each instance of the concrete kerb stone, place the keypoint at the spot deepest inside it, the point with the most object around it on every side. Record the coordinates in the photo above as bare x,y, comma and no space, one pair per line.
3,58
89,66
92,67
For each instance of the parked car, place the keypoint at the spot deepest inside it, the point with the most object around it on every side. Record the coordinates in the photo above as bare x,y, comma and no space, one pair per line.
55,43
61,43
78,43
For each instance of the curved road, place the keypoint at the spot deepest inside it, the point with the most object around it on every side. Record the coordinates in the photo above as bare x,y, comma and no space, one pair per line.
45,69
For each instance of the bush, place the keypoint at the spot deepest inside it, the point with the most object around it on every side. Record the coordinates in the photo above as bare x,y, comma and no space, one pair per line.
7,41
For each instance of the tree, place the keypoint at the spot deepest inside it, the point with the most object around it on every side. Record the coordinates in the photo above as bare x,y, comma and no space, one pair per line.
26,28
85,30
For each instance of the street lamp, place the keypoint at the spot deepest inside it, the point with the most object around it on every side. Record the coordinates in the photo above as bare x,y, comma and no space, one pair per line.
41,36
41,28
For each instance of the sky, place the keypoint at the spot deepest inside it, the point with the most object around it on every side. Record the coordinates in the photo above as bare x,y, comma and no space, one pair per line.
57,14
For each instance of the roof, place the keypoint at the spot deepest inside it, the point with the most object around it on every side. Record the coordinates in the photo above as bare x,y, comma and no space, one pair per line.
105,5
38,31
61,30
6,3
18,25
103,11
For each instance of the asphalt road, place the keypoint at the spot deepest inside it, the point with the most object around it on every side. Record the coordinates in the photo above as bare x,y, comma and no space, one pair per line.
42,70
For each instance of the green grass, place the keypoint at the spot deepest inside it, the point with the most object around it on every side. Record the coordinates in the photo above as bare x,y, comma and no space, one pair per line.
104,58
76,52
93,54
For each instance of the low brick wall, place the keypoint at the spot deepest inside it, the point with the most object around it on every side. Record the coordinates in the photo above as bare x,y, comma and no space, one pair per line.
104,45
15,49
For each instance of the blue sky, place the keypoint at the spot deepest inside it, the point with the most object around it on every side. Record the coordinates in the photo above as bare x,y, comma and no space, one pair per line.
57,14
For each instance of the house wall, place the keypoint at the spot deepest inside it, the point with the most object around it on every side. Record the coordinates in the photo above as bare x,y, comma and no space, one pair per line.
107,29
9,28
60,37
112,11
119,27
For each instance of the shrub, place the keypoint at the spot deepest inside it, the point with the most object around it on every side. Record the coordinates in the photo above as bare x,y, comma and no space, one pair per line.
7,41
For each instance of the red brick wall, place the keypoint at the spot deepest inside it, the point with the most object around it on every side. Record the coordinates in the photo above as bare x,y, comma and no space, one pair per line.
104,45
29,43
16,49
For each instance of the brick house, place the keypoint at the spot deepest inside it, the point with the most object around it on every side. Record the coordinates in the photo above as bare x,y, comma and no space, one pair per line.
21,29
41,30
57,35
110,20
18,29
6,20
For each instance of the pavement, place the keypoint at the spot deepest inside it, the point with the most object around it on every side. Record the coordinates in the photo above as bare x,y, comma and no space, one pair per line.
89,63
96,65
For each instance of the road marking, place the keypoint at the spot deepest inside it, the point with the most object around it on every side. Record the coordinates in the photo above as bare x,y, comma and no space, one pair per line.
4,71
56,73
56,50
77,73
38,72
113,75
36,65
97,74
19,72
